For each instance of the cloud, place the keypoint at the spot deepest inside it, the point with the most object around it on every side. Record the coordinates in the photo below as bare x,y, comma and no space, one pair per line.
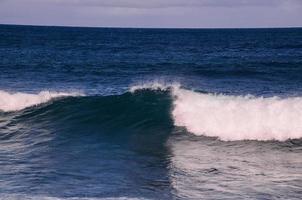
154,13
149,4
175,3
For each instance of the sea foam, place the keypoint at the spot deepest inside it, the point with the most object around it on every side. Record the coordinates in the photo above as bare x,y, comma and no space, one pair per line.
234,117
18,101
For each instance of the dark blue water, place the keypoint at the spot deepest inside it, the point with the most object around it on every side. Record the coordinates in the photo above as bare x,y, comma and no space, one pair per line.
102,141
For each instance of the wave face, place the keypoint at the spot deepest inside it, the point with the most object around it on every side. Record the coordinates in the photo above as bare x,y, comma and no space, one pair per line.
19,100
143,112
113,139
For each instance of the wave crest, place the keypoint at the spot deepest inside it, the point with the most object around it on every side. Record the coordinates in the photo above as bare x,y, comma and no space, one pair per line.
156,85
18,101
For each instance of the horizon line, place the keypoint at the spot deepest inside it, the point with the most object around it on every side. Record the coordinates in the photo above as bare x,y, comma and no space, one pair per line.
137,27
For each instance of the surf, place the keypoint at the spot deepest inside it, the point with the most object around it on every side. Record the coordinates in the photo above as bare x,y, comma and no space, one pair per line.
149,107
232,118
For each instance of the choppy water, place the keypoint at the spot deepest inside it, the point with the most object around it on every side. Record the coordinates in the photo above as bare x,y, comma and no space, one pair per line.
92,113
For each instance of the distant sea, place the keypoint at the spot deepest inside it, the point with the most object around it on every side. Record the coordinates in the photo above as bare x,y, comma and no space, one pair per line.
110,113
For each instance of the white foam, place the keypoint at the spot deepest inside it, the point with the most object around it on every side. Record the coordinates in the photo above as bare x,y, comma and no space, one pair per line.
19,100
234,117
238,117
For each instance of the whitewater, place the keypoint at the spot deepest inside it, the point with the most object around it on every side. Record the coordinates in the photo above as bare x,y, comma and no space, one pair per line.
234,117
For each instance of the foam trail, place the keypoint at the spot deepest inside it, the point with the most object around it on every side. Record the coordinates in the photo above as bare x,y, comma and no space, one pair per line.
238,117
18,101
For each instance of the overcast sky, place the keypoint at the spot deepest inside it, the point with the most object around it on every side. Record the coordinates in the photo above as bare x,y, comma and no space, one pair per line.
154,13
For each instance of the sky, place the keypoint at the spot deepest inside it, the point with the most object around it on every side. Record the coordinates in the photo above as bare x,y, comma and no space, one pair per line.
154,13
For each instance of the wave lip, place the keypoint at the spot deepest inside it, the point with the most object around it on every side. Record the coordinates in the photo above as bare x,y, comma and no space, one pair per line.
156,85
18,101
238,117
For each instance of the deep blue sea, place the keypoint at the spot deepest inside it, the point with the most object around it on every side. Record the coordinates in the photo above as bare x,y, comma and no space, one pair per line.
110,113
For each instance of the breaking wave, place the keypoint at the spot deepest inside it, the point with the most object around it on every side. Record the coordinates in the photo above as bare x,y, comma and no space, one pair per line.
234,117
146,106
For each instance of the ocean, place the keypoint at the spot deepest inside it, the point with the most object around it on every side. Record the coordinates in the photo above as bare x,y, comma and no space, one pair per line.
117,113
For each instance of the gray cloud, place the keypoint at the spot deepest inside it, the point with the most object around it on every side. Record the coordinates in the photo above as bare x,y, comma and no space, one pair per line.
159,3
174,3
153,13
